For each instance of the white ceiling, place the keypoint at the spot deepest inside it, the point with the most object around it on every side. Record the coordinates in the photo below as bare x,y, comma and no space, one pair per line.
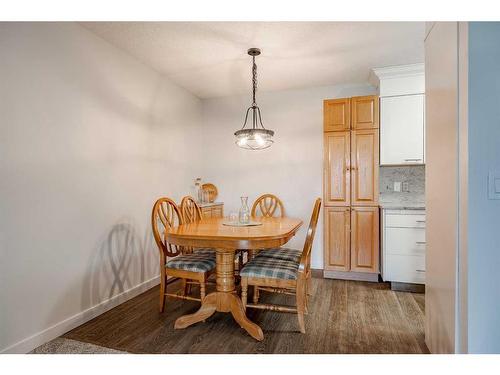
209,58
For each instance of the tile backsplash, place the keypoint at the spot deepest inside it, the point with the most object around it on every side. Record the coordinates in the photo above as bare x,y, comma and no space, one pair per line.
413,175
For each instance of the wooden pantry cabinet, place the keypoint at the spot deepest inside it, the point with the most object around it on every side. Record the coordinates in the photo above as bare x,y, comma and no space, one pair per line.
365,239
351,241
365,112
337,229
337,174
350,188
364,167
337,114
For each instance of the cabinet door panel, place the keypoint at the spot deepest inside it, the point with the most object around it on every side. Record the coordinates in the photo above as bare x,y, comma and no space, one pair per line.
337,175
405,269
402,130
336,114
365,239
364,167
365,113
206,212
217,211
405,220
337,238
404,241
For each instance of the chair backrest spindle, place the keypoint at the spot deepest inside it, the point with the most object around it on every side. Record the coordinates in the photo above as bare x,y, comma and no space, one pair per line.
267,205
191,213
190,210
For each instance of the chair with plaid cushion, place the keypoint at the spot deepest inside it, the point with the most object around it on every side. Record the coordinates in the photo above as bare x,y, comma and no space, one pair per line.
190,210
286,272
191,213
195,267
267,205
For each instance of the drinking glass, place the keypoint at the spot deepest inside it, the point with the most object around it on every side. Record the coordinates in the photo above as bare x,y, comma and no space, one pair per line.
233,217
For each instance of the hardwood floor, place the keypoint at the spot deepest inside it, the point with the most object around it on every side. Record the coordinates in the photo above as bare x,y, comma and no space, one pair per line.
344,317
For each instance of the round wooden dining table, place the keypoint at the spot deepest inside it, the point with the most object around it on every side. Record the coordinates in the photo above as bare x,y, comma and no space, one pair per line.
213,233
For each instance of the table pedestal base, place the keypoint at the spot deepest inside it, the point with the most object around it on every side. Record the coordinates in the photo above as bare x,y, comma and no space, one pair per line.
224,299
223,302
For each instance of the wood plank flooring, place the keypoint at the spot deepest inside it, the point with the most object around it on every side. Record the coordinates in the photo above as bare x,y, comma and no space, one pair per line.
344,317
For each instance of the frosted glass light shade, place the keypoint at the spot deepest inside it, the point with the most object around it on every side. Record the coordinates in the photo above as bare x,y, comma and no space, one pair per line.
254,139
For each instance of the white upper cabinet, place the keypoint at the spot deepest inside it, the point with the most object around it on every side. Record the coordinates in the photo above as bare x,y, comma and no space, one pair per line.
402,114
402,130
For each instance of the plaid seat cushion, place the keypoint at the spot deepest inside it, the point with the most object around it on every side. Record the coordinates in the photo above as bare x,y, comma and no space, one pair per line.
271,268
281,253
195,262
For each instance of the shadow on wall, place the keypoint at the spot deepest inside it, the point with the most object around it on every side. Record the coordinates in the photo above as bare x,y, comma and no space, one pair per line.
122,261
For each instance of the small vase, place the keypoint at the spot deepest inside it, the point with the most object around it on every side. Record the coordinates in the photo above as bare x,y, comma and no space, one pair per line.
244,214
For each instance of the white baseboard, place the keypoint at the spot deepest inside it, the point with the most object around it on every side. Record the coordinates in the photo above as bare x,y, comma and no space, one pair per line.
28,344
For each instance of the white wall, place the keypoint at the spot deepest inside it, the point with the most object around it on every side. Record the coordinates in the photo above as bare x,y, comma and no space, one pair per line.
89,138
441,190
484,214
463,91
291,168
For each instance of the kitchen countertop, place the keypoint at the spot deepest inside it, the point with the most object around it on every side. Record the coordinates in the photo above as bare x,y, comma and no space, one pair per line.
394,206
403,201
210,204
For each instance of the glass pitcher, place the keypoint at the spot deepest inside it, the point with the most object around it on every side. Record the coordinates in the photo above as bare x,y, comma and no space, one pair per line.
244,214
199,190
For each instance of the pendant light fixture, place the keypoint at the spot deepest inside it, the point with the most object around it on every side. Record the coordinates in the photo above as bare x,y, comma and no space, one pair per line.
255,137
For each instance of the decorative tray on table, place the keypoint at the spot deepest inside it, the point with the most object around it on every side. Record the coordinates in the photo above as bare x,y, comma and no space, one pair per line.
238,224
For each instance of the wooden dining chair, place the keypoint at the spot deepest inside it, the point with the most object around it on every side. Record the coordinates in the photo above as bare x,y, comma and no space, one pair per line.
284,271
193,268
268,205
191,213
190,210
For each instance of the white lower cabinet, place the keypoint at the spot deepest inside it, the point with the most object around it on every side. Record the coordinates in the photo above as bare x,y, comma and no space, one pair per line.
403,246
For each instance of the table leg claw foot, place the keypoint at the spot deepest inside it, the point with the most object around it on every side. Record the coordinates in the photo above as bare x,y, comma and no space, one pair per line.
239,315
206,310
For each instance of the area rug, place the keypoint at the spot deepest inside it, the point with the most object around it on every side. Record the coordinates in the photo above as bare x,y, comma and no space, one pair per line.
67,346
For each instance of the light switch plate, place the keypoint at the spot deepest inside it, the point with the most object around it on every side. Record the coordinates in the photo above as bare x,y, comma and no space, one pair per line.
397,186
494,185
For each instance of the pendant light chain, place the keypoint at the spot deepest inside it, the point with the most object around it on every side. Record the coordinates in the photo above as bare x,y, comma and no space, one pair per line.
254,80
